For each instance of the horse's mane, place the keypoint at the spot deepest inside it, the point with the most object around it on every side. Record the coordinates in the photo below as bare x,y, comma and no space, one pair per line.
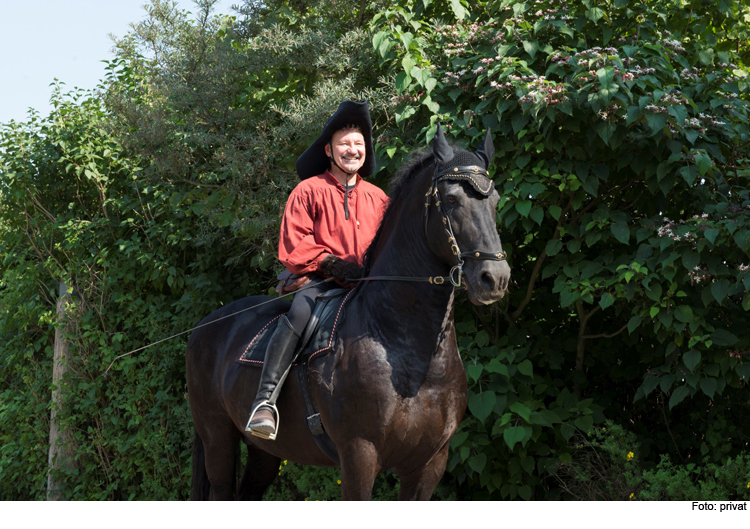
398,184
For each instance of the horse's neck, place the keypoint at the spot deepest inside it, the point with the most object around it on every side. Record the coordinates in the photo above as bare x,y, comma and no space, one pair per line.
409,311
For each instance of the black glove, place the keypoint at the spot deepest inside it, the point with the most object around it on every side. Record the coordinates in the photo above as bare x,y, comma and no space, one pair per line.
341,270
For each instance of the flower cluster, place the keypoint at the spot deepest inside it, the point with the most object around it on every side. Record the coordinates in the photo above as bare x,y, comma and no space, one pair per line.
540,89
407,98
610,113
462,36
656,109
641,71
667,230
596,56
673,44
554,14
690,74
698,275
560,59
743,268
736,353
673,99
694,123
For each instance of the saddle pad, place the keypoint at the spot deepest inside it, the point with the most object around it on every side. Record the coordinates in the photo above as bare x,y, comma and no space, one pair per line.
320,342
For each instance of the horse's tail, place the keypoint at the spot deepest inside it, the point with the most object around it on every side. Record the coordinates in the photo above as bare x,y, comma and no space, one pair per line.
200,486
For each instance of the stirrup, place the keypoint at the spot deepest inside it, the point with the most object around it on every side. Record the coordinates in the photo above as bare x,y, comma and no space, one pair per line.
271,436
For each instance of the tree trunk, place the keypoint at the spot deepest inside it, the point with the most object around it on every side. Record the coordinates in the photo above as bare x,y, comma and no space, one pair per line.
61,454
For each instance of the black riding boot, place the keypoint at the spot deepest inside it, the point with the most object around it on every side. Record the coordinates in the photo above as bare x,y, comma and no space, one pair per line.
264,417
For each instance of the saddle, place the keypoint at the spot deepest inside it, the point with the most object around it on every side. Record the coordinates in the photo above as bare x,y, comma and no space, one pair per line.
316,341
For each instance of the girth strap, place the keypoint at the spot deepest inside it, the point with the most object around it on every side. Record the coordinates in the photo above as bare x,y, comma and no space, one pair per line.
314,422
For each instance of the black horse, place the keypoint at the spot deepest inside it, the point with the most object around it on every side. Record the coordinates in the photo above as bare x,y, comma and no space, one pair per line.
393,391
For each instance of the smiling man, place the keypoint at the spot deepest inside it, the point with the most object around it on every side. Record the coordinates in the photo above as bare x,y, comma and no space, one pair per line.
329,221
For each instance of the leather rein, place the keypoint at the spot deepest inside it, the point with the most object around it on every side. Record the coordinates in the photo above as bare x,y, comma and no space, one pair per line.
479,180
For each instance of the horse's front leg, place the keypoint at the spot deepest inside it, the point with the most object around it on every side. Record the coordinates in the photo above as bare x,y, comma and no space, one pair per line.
359,467
419,484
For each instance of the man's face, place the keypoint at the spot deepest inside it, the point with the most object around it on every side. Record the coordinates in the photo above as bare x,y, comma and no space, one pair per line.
348,149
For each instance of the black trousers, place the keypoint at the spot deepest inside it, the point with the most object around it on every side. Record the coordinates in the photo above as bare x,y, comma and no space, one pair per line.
304,302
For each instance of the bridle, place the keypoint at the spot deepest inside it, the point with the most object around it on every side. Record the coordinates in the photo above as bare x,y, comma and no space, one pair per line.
479,180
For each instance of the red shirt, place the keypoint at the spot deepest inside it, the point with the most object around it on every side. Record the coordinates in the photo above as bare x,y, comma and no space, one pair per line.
315,224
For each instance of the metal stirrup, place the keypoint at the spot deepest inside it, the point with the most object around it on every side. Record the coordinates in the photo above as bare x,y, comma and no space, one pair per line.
263,435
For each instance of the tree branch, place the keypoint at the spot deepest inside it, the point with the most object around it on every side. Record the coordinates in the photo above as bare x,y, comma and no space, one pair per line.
590,336
538,266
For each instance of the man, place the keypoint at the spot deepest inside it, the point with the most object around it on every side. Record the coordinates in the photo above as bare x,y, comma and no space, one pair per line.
329,221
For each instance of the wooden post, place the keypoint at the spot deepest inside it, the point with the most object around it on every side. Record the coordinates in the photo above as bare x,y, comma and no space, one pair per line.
61,456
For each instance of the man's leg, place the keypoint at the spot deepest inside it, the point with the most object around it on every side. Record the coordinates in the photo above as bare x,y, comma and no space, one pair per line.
263,420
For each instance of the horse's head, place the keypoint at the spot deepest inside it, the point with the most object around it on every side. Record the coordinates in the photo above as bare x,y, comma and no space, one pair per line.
465,235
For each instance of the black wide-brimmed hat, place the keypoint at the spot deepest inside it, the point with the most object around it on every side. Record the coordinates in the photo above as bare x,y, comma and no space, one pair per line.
314,160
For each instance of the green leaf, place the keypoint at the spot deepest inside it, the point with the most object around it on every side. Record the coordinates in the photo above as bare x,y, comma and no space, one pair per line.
481,404
711,234
459,439
408,63
478,462
691,359
605,76
526,368
607,300
482,338
531,48
704,163
723,338
537,214
523,207
605,130
402,81
684,314
594,14
742,238
555,211
407,39
458,9
678,395
553,247
378,38
521,409
514,435
621,231
708,386
633,323
656,121
474,371
654,292
719,290
690,259
496,366
584,423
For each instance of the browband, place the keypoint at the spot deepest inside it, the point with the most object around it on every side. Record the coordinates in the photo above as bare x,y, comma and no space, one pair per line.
475,175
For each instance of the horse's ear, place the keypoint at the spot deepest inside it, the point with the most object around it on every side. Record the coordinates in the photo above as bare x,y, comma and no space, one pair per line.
443,152
487,150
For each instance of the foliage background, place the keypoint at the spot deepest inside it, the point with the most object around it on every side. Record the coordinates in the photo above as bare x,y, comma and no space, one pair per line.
617,366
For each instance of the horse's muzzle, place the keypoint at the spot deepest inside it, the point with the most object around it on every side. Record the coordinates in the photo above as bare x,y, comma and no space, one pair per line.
486,281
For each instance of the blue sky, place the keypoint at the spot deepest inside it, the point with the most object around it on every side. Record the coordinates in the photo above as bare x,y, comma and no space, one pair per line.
41,40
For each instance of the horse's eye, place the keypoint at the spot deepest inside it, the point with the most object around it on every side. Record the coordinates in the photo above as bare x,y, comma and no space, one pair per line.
451,199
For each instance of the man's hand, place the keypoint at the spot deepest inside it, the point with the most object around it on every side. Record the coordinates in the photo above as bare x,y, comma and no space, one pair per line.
341,270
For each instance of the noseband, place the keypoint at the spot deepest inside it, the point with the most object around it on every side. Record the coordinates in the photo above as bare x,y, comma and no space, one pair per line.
479,180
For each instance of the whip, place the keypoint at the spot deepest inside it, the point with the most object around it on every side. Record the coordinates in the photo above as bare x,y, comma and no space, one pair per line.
213,321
